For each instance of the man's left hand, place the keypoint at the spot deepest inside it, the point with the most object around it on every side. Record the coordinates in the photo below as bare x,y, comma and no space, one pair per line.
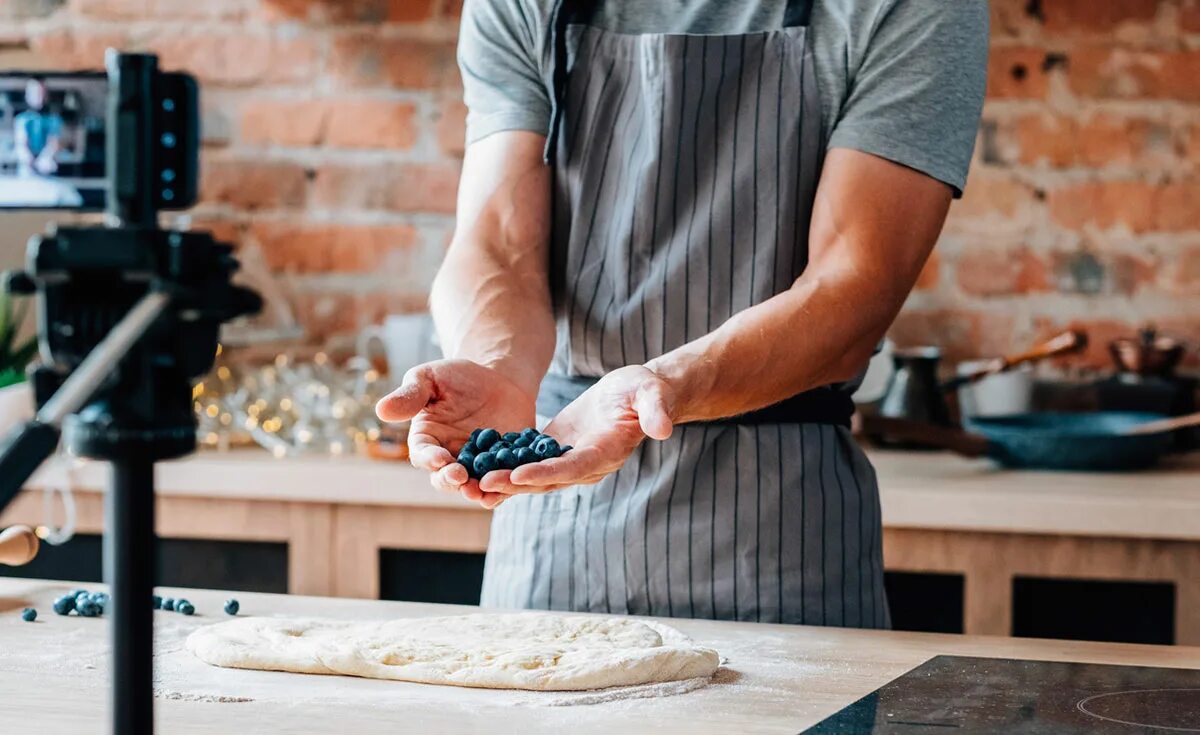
604,425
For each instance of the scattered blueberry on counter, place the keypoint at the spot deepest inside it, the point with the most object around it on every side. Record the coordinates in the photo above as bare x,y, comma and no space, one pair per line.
184,607
156,601
29,615
488,450
87,607
64,605
232,607
168,604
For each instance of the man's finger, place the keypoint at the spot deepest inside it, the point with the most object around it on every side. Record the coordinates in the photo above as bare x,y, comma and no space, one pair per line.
407,400
568,469
425,453
450,477
654,415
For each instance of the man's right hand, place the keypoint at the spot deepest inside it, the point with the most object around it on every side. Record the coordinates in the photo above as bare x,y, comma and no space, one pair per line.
446,400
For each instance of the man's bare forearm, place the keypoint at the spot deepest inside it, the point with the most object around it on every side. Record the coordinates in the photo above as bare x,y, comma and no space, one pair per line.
491,298
874,225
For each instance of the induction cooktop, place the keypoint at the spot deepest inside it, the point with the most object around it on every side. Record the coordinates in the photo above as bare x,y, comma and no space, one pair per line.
955,695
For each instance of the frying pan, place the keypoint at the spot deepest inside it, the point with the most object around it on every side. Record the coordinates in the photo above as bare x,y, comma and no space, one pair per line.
1102,441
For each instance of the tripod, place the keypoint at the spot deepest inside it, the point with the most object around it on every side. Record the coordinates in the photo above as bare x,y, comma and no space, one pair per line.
128,317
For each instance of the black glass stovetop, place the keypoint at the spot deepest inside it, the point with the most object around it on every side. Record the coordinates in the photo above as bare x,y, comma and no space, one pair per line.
954,695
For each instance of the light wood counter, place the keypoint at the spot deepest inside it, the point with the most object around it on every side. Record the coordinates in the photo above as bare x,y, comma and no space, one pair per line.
941,513
777,679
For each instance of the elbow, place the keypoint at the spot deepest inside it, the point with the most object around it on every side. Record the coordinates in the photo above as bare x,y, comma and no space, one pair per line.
851,363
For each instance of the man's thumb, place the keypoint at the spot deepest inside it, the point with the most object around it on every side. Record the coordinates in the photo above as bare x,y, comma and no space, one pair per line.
407,400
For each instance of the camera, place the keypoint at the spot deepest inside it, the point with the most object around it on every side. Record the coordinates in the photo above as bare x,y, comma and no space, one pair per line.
59,132
128,313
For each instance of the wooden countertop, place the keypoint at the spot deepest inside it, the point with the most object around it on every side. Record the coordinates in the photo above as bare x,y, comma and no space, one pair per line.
928,490
776,679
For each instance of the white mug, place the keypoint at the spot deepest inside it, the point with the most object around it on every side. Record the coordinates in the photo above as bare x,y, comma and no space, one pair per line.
1002,394
408,340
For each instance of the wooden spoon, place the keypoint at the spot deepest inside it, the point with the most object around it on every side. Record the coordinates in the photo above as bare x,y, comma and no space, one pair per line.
1065,343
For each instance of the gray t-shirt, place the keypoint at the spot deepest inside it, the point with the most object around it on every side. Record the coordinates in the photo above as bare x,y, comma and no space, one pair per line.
900,79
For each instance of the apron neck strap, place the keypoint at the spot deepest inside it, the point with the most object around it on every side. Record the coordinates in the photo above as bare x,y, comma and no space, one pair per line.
566,12
797,13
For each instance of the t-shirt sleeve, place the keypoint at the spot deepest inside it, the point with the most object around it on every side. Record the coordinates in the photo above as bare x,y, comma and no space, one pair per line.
499,57
917,96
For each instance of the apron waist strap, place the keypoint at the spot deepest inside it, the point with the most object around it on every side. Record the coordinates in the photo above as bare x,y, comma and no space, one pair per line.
818,406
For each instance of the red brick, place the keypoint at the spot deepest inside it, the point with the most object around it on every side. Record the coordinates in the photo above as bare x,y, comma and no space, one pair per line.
1191,143
239,59
1106,73
349,11
1071,16
961,334
331,248
27,9
75,49
1017,72
1187,272
253,185
347,123
1189,16
366,60
1097,142
1138,206
224,230
168,9
370,123
1011,18
324,314
284,122
403,187
1002,272
452,127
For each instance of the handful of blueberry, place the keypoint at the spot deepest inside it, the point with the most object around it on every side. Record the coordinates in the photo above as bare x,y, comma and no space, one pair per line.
488,450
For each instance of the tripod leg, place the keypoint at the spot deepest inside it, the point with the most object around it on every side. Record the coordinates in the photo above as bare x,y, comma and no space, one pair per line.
129,563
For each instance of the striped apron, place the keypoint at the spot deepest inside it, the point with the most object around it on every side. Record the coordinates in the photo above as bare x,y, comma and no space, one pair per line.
685,168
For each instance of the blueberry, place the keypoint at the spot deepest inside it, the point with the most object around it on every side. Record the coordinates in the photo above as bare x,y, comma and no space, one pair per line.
77,593
87,608
168,603
82,595
566,448
485,463
64,605
507,459
101,597
474,435
525,455
184,607
511,436
501,445
466,458
523,441
546,448
530,433
156,601
232,607
486,439
29,615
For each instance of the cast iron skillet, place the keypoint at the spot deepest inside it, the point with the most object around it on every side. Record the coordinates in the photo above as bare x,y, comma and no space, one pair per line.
1100,441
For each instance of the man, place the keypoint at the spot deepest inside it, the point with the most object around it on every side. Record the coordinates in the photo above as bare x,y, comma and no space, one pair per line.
736,199
36,133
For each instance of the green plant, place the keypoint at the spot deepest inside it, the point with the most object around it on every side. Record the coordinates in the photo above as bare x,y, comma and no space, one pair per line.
15,354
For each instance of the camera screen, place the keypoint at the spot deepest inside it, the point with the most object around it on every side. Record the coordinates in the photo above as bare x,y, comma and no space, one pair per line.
52,141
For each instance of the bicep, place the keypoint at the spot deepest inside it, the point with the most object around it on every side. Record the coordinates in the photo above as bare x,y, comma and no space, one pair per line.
504,199
875,218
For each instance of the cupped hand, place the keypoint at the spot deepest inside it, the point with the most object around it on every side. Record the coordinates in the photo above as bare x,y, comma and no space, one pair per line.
605,425
446,400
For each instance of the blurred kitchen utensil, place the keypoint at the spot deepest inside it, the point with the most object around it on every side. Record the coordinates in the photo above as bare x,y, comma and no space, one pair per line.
998,394
878,376
18,545
1102,441
1148,354
1063,344
914,393
408,340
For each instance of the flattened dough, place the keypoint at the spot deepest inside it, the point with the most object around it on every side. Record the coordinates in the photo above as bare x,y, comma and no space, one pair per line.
537,651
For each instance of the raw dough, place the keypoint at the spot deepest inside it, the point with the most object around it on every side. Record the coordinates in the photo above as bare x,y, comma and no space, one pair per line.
538,651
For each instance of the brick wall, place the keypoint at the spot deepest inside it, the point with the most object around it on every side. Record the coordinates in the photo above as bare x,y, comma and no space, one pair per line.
333,134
